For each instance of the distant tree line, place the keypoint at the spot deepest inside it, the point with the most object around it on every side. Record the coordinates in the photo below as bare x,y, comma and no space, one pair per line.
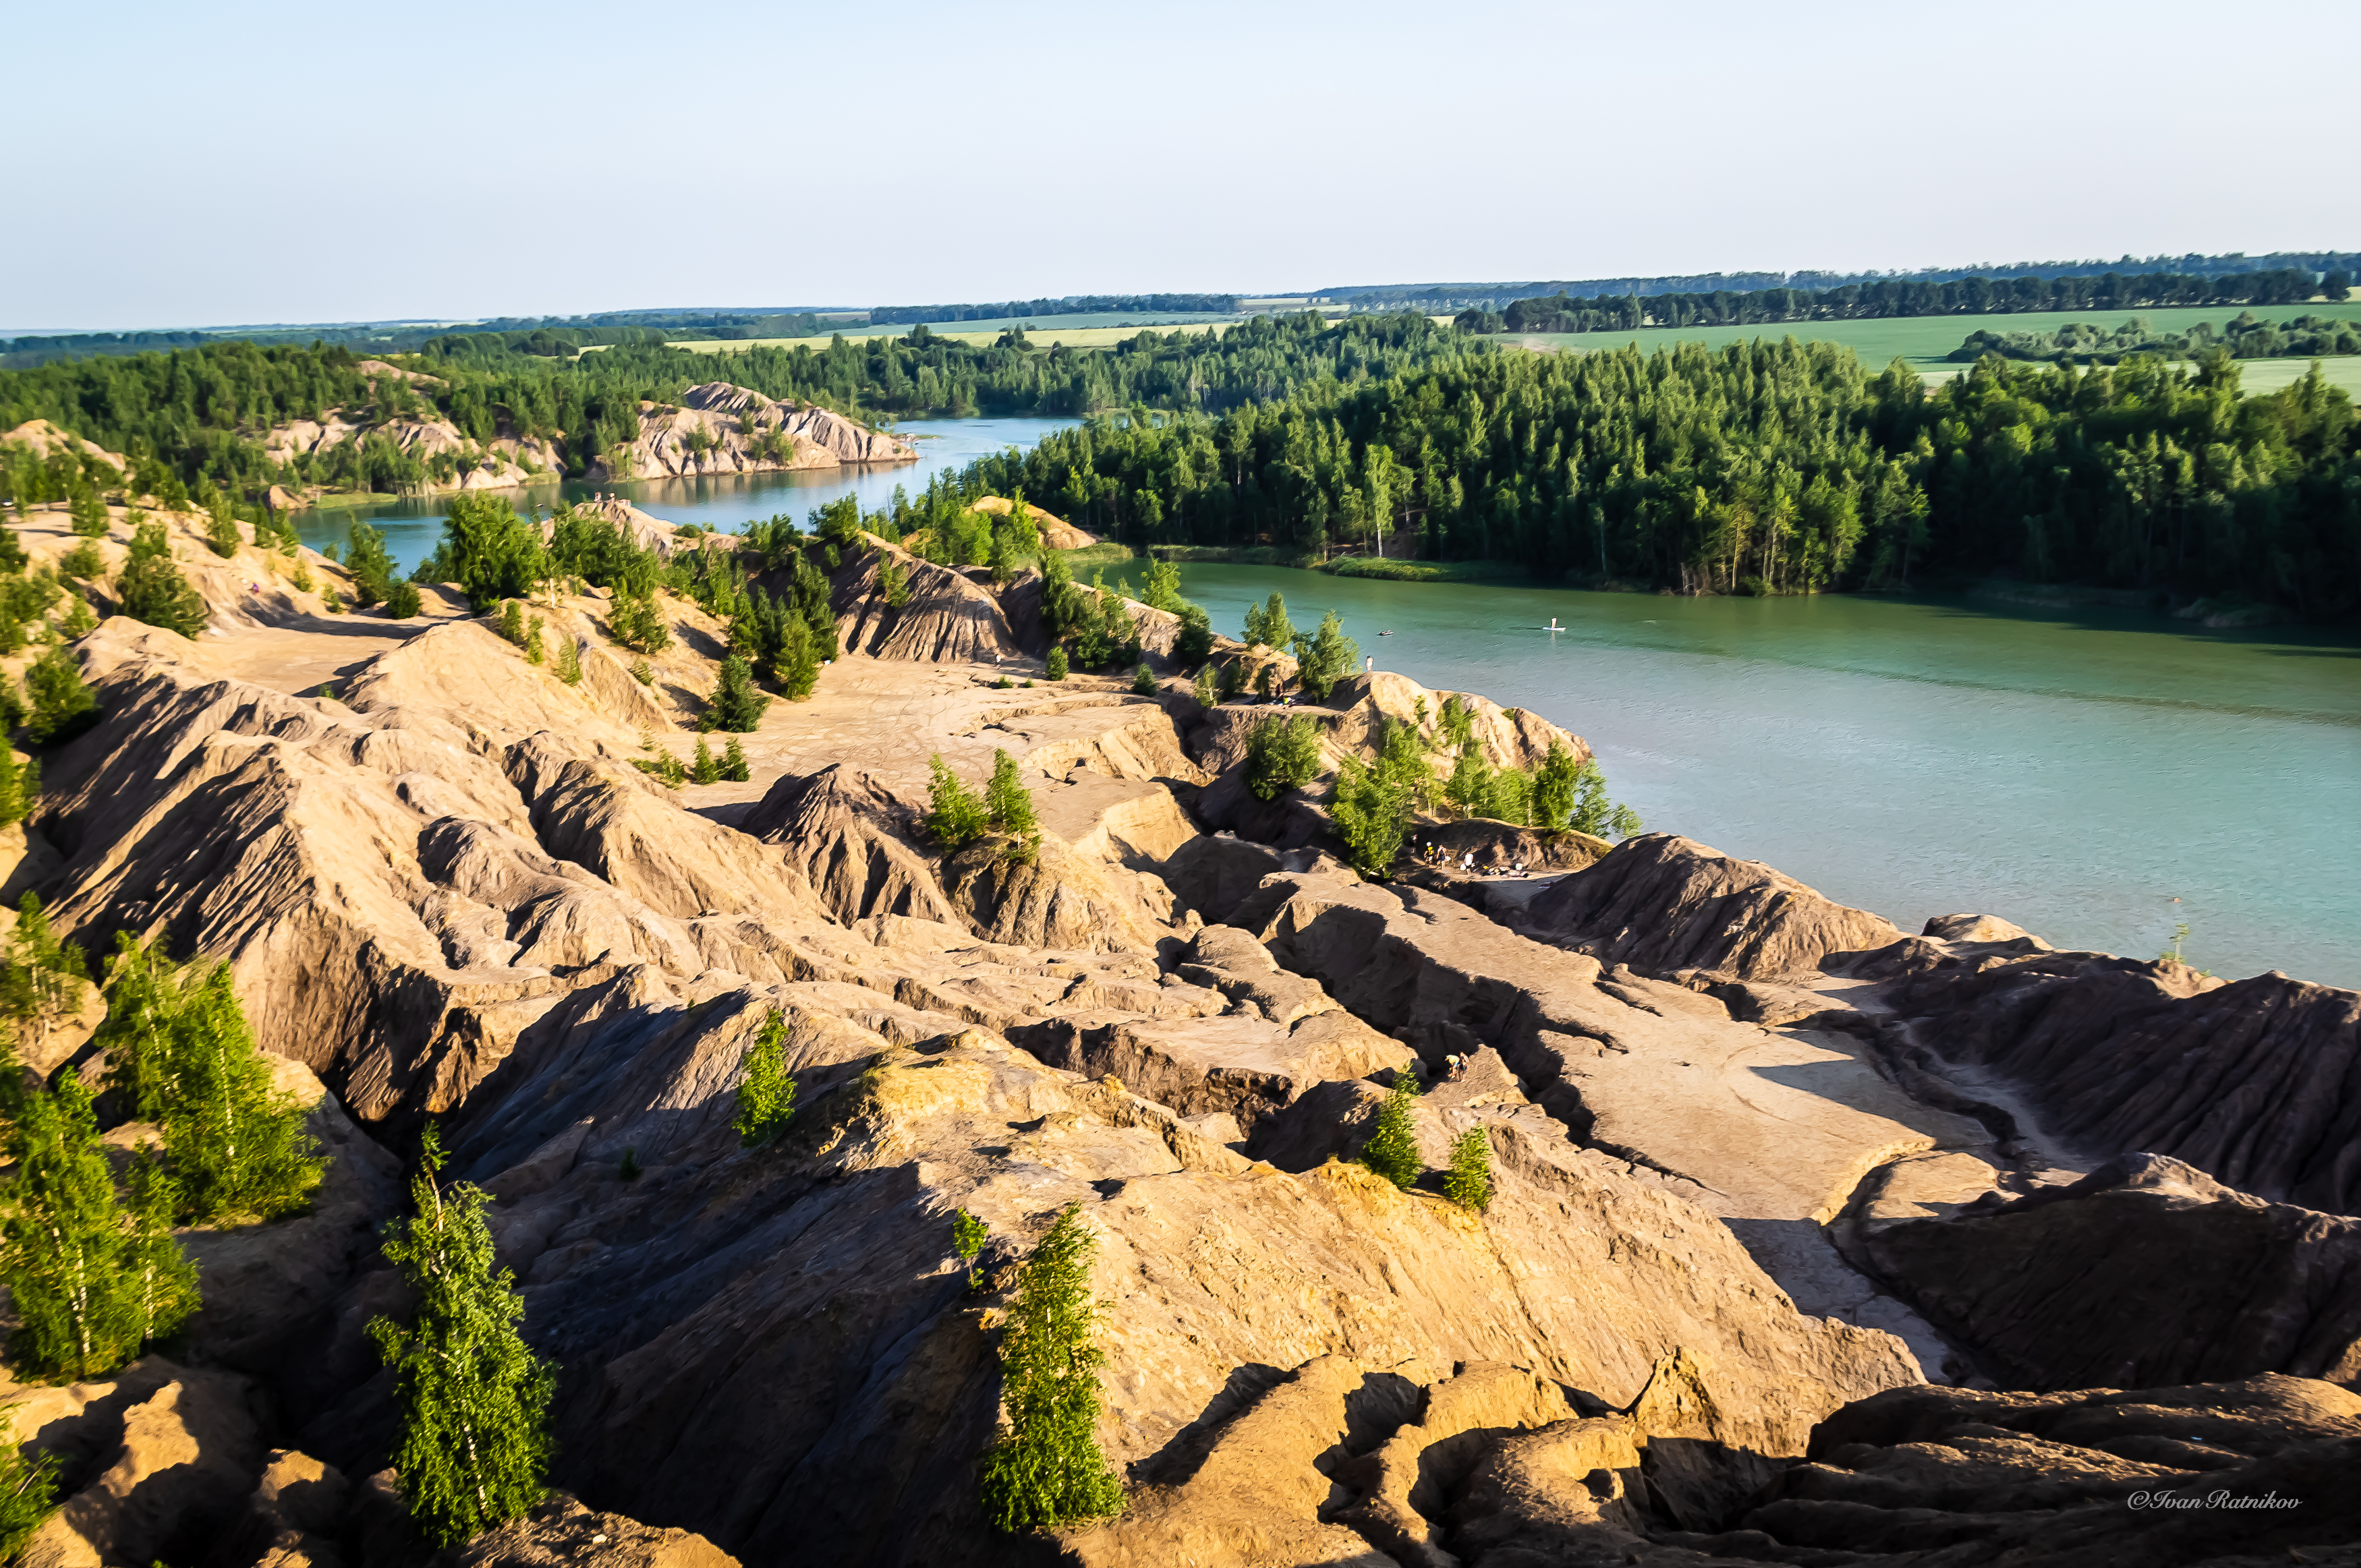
1494,296
1757,467
1902,297
2246,337
199,417
1065,305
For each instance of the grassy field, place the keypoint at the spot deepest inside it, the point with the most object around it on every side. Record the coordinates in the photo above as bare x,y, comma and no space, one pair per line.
1924,342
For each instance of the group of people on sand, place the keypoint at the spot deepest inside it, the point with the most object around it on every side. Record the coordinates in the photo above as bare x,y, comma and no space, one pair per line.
1433,854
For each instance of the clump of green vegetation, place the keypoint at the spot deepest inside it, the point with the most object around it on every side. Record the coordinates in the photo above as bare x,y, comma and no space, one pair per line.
27,1494
179,1053
766,1094
702,768
1056,669
1008,807
371,568
1045,1468
955,815
1143,681
1373,804
569,661
1570,794
1281,754
1267,626
1325,656
63,705
736,704
473,1401
92,1276
83,561
1468,1182
1208,696
80,618
20,784
968,1237
221,526
402,601
733,761
643,672
1392,1148
86,514
149,587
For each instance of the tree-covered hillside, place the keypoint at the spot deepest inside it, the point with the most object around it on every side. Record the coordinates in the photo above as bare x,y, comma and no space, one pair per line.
1756,469
202,413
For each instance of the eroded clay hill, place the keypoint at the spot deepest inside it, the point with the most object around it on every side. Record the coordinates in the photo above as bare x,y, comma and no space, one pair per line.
1759,1159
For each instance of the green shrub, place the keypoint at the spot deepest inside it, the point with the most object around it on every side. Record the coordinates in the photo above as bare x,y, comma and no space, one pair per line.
569,660
1468,1182
401,600
1207,696
82,562
733,761
86,514
20,784
968,1237
766,1094
1143,681
1045,1468
1392,1148
151,587
1281,754
27,1497
1325,657
180,1055
1057,666
954,816
63,705
702,768
736,704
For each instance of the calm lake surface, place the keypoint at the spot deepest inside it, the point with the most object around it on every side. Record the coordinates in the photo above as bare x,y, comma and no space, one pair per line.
2073,771
413,525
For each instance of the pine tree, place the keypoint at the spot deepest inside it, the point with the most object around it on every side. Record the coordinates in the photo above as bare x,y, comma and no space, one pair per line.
221,528
1007,804
87,514
1143,681
569,661
1325,656
473,1401
954,815
704,770
736,704
91,1279
797,662
179,1051
511,622
733,761
534,650
766,1094
20,784
1392,1148
149,587
1057,668
1045,1468
1468,1182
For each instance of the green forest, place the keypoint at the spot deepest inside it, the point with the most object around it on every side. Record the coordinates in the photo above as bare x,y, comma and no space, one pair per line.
1755,469
2246,337
1901,297
200,415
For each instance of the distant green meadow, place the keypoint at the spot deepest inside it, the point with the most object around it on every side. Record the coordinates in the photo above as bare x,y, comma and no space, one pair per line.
1926,341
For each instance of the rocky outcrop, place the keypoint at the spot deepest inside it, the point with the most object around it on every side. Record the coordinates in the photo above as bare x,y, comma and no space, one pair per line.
1056,532
852,838
2257,1083
171,1468
1754,1124
2145,1272
1663,902
559,1532
718,427
464,463
942,616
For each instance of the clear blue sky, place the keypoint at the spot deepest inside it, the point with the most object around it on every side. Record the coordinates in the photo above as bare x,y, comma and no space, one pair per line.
176,165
